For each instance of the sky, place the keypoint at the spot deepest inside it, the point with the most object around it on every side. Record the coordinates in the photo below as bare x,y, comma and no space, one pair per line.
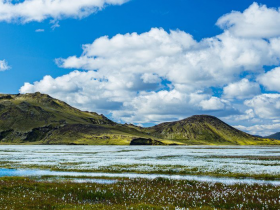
146,62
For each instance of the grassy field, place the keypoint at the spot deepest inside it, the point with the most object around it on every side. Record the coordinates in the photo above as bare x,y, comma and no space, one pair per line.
24,193
55,190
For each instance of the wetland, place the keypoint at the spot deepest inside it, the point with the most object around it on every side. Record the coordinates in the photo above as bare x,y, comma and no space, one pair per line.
139,177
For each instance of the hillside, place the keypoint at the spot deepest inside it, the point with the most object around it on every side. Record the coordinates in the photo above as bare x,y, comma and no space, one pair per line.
274,136
204,129
40,119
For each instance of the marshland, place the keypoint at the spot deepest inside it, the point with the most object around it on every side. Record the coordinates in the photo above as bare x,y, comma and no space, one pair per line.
139,177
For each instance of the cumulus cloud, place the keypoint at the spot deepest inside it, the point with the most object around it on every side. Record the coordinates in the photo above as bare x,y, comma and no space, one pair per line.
266,106
39,10
271,79
249,114
242,89
91,91
4,65
257,21
262,130
213,103
162,106
176,56
86,90
140,65
159,75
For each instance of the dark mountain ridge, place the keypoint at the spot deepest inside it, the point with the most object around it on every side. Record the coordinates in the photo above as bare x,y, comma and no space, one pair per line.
274,136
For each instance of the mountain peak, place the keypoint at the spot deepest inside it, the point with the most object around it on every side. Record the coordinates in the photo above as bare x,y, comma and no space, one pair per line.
201,129
201,118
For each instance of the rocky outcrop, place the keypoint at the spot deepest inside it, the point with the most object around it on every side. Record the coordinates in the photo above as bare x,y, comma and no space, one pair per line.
143,141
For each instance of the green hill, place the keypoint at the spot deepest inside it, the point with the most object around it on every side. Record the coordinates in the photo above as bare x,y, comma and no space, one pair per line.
40,119
204,129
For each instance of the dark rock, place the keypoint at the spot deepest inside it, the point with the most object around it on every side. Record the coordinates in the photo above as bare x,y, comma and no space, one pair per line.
143,141
3,134
6,97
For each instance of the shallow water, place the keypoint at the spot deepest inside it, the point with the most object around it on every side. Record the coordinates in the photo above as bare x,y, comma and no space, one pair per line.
57,174
247,160
228,159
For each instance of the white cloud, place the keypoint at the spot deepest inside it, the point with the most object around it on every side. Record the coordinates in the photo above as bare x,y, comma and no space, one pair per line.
262,130
241,90
133,67
4,65
162,106
39,30
150,78
271,79
248,115
257,21
213,103
158,76
86,90
176,56
266,106
39,10
91,91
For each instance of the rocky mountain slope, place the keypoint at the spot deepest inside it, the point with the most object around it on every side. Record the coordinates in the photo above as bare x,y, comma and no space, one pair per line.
40,119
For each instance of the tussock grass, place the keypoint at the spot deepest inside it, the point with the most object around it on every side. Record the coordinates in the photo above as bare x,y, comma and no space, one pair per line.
24,193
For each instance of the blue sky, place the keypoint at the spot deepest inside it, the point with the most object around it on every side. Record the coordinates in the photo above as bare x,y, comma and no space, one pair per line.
32,55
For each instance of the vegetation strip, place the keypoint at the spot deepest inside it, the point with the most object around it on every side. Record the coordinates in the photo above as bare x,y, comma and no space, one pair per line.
24,193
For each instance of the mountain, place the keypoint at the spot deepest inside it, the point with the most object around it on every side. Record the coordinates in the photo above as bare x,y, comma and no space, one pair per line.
274,136
204,129
40,119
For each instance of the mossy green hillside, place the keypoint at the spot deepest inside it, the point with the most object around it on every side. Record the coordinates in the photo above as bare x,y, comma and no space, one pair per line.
204,129
28,111
40,119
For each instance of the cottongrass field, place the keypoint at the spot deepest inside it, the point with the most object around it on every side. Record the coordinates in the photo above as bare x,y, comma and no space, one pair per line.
139,177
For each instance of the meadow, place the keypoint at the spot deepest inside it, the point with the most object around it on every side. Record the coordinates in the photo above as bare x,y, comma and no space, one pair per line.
25,193
138,177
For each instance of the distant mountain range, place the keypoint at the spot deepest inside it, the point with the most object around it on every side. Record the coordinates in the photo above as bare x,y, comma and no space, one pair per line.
40,119
274,136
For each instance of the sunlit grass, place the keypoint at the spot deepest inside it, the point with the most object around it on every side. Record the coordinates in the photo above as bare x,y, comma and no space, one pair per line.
24,193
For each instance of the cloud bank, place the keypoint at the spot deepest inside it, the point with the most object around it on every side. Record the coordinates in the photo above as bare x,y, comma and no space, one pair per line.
167,75
39,10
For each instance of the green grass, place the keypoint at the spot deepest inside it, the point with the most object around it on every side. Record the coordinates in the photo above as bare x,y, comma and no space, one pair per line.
24,193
